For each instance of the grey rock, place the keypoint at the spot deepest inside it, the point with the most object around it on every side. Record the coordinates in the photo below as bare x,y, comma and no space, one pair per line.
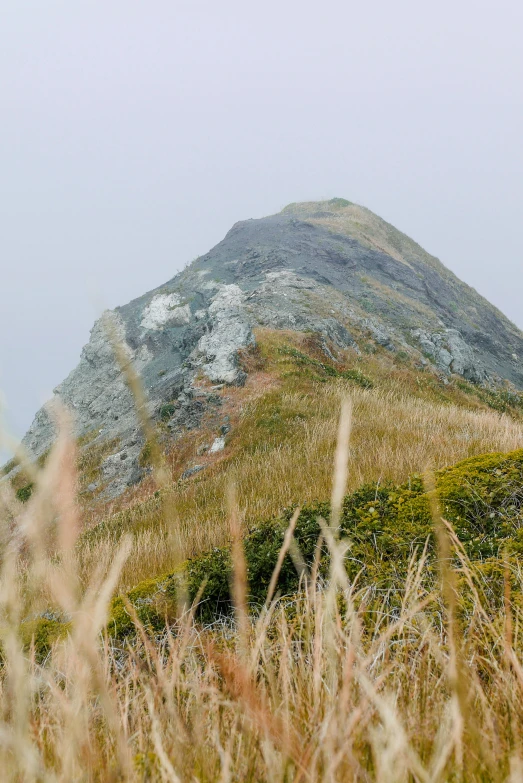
217,445
165,310
451,353
382,335
192,471
120,470
229,332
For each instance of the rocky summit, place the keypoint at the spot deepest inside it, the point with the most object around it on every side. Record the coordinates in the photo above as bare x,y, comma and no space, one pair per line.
332,268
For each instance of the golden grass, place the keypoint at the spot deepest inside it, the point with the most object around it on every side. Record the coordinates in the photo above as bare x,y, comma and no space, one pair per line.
280,454
329,685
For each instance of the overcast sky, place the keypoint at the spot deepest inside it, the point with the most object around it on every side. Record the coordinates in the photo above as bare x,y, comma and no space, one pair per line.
133,134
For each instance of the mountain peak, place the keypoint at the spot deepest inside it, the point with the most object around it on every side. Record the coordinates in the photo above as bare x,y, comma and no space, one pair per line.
332,268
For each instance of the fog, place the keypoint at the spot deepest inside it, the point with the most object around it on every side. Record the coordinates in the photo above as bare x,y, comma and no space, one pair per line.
133,135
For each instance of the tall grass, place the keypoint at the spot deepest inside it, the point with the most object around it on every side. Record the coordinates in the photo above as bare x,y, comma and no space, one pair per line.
331,684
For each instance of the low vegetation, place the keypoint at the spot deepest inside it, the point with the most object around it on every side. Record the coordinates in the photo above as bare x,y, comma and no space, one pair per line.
384,527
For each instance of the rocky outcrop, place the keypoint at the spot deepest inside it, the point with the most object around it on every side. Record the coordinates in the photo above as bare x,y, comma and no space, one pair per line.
228,331
95,391
451,354
332,268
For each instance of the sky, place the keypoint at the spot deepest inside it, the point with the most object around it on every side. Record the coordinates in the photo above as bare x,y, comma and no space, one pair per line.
134,134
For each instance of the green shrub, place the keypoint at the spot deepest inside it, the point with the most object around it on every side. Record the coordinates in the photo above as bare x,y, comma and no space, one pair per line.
153,600
367,304
24,493
339,202
501,400
167,410
211,571
42,632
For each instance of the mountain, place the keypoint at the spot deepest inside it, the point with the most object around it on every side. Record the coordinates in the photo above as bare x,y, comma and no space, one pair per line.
333,269
246,359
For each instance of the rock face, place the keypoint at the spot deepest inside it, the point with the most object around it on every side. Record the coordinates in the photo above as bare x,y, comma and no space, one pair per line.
451,354
332,268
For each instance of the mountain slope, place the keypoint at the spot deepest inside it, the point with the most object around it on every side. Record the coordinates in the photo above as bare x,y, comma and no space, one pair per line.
331,268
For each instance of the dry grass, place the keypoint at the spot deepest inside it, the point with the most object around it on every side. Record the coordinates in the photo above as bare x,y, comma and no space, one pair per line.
394,435
325,686
280,453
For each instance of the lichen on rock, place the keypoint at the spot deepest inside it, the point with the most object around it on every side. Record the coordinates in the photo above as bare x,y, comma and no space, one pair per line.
165,309
229,331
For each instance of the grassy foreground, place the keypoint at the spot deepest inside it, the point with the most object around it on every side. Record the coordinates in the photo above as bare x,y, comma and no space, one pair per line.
374,636
343,679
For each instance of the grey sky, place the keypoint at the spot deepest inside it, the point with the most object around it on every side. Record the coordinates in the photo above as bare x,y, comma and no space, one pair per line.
133,134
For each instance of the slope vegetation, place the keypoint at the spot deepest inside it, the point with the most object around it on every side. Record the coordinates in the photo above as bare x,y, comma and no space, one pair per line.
278,452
